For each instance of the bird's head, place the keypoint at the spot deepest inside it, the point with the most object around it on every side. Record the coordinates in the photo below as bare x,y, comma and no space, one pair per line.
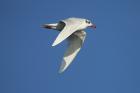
90,24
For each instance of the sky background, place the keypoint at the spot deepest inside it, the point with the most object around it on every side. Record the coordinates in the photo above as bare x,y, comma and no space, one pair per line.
109,61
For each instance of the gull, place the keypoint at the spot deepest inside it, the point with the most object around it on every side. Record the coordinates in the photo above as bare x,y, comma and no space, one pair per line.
71,29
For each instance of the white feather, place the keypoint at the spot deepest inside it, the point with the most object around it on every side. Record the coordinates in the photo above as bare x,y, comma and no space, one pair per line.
75,43
72,25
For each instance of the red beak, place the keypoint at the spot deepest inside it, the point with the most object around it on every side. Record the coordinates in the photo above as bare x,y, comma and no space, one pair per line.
93,26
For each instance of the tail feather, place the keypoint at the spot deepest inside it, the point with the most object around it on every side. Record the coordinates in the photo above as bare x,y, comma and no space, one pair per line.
50,26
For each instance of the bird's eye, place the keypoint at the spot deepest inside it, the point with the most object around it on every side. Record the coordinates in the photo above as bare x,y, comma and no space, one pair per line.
87,21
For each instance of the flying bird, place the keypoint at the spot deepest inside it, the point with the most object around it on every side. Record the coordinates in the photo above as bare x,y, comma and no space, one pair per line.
71,29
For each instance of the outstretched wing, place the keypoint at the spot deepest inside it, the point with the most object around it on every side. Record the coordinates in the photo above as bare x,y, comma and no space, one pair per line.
75,43
71,25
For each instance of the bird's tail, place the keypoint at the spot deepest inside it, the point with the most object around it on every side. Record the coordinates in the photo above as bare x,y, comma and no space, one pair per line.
50,26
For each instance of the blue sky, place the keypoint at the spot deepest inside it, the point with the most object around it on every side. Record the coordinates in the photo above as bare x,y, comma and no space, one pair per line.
109,61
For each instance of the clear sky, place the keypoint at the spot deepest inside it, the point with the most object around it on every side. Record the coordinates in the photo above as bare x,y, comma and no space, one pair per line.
109,61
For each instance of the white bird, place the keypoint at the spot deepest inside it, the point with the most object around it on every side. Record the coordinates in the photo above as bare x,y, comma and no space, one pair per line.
71,29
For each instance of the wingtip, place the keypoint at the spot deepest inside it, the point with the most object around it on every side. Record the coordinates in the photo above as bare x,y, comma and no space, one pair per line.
54,44
62,67
60,71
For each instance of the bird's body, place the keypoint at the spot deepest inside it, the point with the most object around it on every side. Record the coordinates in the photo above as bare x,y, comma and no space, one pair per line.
71,29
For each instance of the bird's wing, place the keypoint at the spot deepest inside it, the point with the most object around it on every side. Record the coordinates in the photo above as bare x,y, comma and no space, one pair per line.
70,27
75,42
